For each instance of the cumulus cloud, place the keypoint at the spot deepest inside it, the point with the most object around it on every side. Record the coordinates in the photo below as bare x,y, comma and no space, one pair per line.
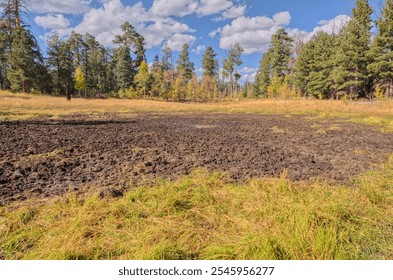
60,6
211,7
157,32
252,33
176,41
178,8
332,26
104,23
181,8
52,21
234,12
283,18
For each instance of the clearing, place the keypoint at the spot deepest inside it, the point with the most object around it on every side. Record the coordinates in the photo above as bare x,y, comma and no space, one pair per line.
47,157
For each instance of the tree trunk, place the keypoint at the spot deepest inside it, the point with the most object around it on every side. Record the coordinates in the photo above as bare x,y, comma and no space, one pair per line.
68,93
17,15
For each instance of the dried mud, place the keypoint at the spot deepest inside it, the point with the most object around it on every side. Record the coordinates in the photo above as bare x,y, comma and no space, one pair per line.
44,158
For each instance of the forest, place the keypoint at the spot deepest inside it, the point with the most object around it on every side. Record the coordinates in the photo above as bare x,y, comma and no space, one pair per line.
355,63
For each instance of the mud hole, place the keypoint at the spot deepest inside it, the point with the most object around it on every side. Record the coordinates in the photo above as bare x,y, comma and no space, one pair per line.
42,157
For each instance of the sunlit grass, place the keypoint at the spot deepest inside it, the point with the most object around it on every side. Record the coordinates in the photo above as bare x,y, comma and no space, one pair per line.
22,106
201,217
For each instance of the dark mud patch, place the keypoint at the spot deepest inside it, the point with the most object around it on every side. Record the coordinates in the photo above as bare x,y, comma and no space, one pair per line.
43,157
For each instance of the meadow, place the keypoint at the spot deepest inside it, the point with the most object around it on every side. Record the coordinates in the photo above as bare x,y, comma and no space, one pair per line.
203,215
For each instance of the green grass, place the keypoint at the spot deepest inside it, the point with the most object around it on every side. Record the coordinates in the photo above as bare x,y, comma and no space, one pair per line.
201,217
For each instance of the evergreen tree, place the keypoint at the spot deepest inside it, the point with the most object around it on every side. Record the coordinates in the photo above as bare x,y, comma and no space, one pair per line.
381,52
13,11
134,43
4,47
95,65
280,53
210,63
167,71
76,45
314,65
262,81
157,77
54,49
185,68
350,75
230,66
122,68
23,59
60,64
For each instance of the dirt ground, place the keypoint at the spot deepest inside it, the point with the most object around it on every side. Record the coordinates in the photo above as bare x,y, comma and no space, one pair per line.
44,158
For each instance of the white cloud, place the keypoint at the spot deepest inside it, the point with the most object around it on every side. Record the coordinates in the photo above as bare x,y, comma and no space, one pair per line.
104,23
60,6
234,12
178,8
199,49
283,18
157,32
176,41
252,33
331,26
181,8
211,7
52,21
248,74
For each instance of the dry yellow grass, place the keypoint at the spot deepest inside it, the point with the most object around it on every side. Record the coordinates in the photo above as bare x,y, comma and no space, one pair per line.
22,106
201,217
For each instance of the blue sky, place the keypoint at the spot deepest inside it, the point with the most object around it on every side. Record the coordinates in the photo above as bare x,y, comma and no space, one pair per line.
201,23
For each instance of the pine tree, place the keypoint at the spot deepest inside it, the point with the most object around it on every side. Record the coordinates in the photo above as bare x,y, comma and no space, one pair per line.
13,12
350,75
185,68
157,77
4,46
23,58
134,43
314,65
95,65
280,54
263,78
230,67
76,45
381,52
122,68
210,63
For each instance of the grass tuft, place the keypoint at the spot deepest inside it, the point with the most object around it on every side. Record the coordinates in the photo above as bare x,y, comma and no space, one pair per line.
201,217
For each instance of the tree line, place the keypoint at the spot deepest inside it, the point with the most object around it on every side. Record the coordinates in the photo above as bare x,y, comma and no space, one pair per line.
79,65
351,64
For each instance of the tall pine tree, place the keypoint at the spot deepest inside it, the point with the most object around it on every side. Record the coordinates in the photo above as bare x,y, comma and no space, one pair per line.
210,63
314,65
381,52
350,75
185,68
